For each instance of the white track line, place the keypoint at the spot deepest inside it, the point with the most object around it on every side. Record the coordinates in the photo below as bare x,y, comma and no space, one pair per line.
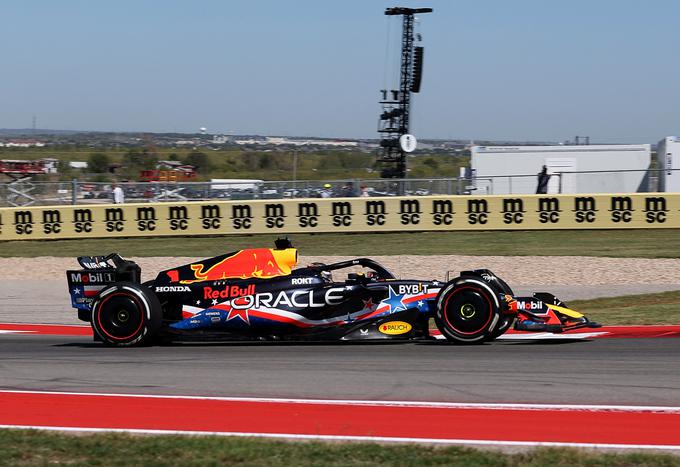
353,402
378,439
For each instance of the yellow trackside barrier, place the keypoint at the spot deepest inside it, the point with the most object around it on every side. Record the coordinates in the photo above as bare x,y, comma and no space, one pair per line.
425,213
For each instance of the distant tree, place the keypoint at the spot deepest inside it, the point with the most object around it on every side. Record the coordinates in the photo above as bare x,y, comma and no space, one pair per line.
98,162
64,169
265,162
198,160
136,159
431,162
173,157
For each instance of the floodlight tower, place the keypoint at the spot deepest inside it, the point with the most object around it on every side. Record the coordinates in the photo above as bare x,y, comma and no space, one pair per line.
396,141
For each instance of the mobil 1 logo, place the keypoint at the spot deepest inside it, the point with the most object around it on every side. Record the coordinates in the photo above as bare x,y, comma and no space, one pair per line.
584,209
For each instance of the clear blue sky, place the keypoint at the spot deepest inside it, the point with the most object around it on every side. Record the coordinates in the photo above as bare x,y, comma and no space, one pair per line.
497,69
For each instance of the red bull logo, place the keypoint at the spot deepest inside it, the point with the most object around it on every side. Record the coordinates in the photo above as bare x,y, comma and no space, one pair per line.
263,263
228,292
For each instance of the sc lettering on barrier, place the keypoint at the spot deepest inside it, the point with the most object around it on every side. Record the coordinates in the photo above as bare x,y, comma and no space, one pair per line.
477,211
144,226
655,217
584,216
375,219
21,229
513,218
622,216
82,227
245,223
442,219
51,228
178,224
210,223
342,221
115,226
274,222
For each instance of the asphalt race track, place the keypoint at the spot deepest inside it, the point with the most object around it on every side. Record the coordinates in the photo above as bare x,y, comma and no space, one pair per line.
598,371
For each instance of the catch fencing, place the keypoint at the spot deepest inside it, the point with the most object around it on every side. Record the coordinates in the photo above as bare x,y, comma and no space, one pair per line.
33,193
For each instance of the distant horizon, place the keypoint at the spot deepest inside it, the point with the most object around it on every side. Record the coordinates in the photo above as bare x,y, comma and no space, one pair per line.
493,70
37,131
208,133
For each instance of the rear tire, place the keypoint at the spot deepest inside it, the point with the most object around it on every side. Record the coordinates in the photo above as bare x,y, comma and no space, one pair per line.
468,311
126,314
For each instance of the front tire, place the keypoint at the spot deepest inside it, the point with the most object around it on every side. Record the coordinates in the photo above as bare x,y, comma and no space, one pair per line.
126,315
506,321
468,311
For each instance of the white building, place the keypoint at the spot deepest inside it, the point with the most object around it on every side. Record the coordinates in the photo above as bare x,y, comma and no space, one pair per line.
574,169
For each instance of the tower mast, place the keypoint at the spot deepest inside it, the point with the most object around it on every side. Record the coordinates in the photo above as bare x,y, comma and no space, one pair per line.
395,116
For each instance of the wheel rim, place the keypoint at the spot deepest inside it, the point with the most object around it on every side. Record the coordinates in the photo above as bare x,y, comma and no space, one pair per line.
120,316
468,310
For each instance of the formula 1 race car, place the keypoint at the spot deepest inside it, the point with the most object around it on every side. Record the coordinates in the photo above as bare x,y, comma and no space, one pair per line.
256,294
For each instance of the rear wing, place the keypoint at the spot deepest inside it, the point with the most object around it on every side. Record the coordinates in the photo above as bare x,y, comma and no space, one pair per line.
98,272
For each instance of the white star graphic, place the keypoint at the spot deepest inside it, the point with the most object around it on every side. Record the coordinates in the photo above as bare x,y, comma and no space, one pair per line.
420,303
198,302
214,302
76,290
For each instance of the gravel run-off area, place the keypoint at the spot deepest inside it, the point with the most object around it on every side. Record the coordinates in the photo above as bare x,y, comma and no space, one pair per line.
535,270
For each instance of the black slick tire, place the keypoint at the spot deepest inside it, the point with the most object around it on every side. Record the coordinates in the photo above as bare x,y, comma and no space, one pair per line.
468,311
126,314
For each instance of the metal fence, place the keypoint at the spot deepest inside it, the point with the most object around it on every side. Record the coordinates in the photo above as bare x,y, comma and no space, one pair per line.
26,193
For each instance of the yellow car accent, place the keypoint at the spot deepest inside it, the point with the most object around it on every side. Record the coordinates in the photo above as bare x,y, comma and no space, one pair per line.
566,311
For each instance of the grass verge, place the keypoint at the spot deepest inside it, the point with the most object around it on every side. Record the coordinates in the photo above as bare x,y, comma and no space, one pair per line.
19,447
611,243
658,308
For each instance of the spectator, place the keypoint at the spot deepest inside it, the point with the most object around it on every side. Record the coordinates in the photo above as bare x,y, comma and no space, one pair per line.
543,178
348,190
117,192
364,191
327,191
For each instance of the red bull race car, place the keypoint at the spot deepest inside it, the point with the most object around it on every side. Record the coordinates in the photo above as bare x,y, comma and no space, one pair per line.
259,294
